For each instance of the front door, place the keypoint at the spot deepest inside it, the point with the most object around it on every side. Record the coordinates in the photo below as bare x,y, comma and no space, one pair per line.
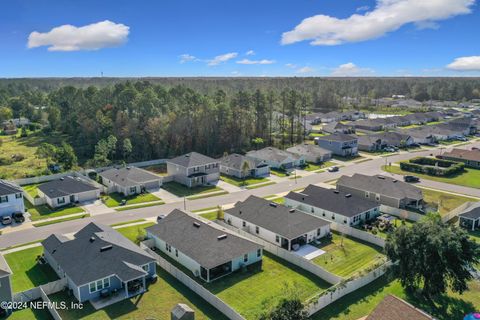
72,198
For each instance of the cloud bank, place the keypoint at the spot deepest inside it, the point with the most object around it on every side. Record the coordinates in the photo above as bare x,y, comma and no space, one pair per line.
351,70
248,61
471,63
222,58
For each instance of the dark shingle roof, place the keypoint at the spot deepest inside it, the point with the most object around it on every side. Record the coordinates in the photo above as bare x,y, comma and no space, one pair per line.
65,187
471,210
382,185
192,159
236,161
83,260
288,223
308,149
472,155
272,154
333,200
7,188
128,176
393,308
201,243
341,137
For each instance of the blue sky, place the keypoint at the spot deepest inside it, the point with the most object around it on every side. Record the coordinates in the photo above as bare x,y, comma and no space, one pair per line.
249,38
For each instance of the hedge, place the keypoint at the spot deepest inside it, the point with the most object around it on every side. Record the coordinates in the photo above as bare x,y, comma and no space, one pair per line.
432,166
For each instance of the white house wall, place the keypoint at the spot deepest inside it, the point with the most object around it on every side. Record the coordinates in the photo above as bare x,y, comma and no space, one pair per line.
13,205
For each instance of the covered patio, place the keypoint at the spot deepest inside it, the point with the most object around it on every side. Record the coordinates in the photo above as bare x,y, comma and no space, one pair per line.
216,272
130,288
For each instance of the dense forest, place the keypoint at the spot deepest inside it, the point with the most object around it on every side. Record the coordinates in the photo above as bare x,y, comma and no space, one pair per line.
111,119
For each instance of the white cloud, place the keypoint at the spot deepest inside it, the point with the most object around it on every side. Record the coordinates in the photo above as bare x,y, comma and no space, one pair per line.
363,8
90,37
187,58
291,65
351,70
305,70
387,16
222,58
263,61
471,63
250,53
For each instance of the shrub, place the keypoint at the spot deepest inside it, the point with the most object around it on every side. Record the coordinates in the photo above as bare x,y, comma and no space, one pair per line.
432,166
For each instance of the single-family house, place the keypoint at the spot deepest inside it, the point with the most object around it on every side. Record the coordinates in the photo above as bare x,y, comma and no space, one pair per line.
314,118
282,226
421,135
334,127
471,158
395,139
9,128
241,166
331,116
469,215
370,143
311,153
278,159
99,262
194,169
394,308
339,143
368,124
204,248
399,121
11,198
353,115
67,190
333,205
386,191
130,180
6,293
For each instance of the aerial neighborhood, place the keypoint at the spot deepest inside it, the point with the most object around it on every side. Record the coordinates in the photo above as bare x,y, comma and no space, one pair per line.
319,212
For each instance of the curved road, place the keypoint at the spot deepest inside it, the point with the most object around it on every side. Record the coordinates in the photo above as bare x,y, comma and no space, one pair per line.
368,167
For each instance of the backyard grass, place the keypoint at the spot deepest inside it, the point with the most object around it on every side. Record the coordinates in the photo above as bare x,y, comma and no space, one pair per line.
31,189
470,178
115,199
27,273
132,232
160,169
243,182
279,200
46,223
183,191
317,166
43,211
30,314
31,165
210,215
349,259
156,303
251,292
446,202
475,235
145,205
362,301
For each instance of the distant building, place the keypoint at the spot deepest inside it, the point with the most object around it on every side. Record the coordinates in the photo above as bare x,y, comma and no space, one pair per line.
311,153
240,166
339,144
471,158
278,159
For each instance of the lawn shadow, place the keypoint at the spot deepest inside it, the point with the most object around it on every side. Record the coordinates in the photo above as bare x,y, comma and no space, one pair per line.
41,274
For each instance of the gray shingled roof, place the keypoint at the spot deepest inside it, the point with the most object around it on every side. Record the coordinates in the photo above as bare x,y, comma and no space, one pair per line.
308,149
471,210
472,155
341,137
129,176
272,154
84,262
382,185
4,267
7,188
333,200
236,161
286,222
192,159
65,187
201,243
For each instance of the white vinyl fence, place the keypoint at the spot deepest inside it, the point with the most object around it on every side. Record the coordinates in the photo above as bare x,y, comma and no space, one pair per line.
35,293
336,292
455,212
41,179
359,234
52,310
401,213
288,256
215,301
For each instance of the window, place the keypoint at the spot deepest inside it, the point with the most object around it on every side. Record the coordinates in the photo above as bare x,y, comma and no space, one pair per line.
345,221
3,199
257,229
367,195
244,224
277,238
61,200
176,253
146,267
259,252
168,247
229,221
377,197
245,258
92,287
313,210
18,196
319,231
133,189
99,285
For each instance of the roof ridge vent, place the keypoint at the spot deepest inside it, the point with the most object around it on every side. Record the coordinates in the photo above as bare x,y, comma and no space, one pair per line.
92,238
196,224
105,248
336,191
381,177
273,204
221,237
348,195
291,210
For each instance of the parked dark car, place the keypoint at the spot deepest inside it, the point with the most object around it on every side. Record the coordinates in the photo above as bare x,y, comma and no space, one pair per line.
411,179
333,169
18,217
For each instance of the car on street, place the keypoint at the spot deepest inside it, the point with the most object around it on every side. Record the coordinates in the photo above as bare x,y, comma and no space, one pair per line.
411,179
333,169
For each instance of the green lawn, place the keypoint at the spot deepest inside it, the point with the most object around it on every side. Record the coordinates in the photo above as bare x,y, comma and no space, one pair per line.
470,178
27,273
183,191
31,189
243,182
446,202
157,303
278,173
44,211
317,166
398,222
362,301
250,292
31,314
132,232
475,235
46,223
210,215
349,259
115,199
